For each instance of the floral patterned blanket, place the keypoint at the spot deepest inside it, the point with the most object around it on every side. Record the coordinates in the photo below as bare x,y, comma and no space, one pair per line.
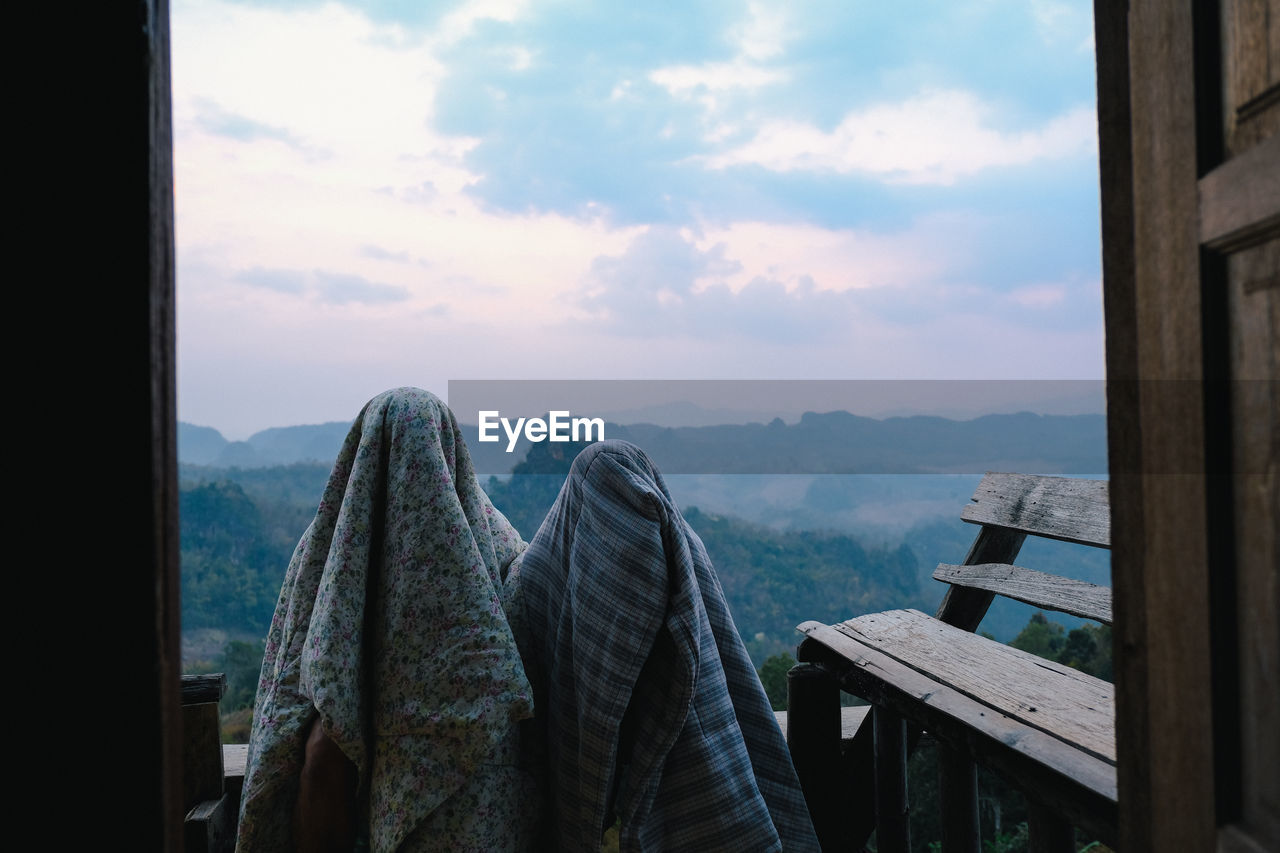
390,627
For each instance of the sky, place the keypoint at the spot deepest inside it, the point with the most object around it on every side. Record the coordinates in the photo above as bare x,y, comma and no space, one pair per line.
398,192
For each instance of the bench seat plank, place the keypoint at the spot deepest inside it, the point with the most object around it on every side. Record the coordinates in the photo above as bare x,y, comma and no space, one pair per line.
1080,785
1052,592
850,718
1065,703
1054,507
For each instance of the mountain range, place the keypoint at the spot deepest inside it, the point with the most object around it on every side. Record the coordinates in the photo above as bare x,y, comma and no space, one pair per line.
819,443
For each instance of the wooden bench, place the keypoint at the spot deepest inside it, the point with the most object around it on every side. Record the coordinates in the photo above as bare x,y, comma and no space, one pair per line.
1048,728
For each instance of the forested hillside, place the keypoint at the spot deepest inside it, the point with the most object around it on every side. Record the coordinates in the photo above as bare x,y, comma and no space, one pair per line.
239,528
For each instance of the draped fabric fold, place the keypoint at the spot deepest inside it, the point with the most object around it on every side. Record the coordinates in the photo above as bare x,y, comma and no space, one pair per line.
646,700
390,628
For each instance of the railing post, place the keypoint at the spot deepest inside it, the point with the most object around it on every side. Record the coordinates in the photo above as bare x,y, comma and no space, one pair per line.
1049,832
958,793
893,833
813,737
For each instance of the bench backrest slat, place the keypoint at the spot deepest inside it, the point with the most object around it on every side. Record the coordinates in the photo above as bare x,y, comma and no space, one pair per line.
1061,508
1051,592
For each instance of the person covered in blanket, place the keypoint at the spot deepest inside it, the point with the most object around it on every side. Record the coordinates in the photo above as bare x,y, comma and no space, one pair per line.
388,709
432,683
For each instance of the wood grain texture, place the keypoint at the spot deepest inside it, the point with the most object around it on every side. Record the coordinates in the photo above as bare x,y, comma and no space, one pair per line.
202,771
198,689
235,757
1163,669
1054,507
1246,589
1052,592
1255,495
1251,71
210,827
1240,200
963,607
1080,786
1070,705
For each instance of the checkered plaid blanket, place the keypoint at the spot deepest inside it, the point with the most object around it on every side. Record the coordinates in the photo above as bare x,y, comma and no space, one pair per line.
648,704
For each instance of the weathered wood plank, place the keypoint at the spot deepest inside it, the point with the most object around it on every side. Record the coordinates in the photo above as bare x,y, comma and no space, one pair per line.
893,829
1251,71
1246,622
1082,787
963,607
1240,200
1160,572
1052,592
850,719
198,689
202,772
1062,508
1058,700
210,827
235,757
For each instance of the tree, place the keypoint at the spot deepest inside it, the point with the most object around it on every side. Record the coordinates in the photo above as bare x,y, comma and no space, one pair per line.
773,676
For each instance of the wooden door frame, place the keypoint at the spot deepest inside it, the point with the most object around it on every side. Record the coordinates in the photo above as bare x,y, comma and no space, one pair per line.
1154,362
1169,426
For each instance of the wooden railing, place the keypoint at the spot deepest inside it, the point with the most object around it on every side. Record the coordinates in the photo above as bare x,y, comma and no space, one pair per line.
1047,728
211,804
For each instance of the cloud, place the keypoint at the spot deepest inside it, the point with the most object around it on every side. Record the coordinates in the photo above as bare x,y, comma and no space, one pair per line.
849,258
761,36
714,76
546,176
425,193
343,289
213,119
1039,296
764,34
380,254
325,287
462,21
1070,304
1061,22
933,138
664,286
281,281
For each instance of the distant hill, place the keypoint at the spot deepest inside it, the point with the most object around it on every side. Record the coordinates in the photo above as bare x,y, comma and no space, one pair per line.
199,445
202,445
826,443
319,443
816,547
841,443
